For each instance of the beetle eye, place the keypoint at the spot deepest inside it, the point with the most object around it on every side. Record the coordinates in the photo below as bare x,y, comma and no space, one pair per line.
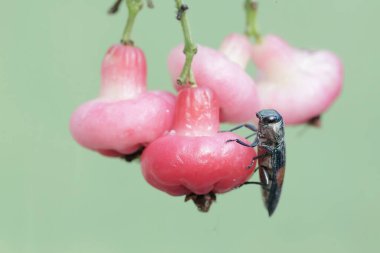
270,119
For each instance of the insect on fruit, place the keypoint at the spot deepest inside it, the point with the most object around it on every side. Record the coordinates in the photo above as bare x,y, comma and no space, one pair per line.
271,155
192,159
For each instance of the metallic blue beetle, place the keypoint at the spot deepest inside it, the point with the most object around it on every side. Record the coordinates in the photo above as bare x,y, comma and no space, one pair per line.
271,155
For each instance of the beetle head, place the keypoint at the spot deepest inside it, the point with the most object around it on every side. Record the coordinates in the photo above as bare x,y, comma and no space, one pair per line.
269,116
271,126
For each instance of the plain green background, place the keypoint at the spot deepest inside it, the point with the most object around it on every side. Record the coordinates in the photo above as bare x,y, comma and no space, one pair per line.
55,196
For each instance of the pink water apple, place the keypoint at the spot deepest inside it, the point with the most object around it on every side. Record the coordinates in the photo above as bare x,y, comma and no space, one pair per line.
237,48
194,158
300,84
125,117
234,88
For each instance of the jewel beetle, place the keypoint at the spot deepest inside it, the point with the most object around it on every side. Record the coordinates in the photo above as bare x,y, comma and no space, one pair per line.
270,141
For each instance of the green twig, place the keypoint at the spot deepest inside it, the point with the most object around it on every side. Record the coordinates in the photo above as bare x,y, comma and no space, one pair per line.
134,6
251,24
190,49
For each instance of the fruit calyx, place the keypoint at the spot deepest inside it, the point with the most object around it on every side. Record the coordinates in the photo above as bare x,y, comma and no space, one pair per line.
203,202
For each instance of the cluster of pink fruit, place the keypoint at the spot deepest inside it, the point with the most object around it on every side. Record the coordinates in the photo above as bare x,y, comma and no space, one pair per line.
183,152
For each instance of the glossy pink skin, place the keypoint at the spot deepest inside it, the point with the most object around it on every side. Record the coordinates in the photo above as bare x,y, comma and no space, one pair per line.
234,88
124,73
194,157
121,127
196,112
299,84
237,48
125,117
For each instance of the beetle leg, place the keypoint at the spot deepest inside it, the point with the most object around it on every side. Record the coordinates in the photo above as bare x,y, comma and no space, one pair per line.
257,157
263,184
240,142
250,182
249,126
252,145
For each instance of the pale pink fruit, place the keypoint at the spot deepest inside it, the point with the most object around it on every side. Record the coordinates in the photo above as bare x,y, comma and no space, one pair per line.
234,88
237,48
125,117
194,158
300,84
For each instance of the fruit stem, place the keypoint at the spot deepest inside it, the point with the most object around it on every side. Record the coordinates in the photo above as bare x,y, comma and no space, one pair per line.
251,24
187,75
134,6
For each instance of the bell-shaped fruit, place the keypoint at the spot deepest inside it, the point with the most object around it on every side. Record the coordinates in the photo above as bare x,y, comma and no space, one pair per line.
125,117
194,158
300,84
